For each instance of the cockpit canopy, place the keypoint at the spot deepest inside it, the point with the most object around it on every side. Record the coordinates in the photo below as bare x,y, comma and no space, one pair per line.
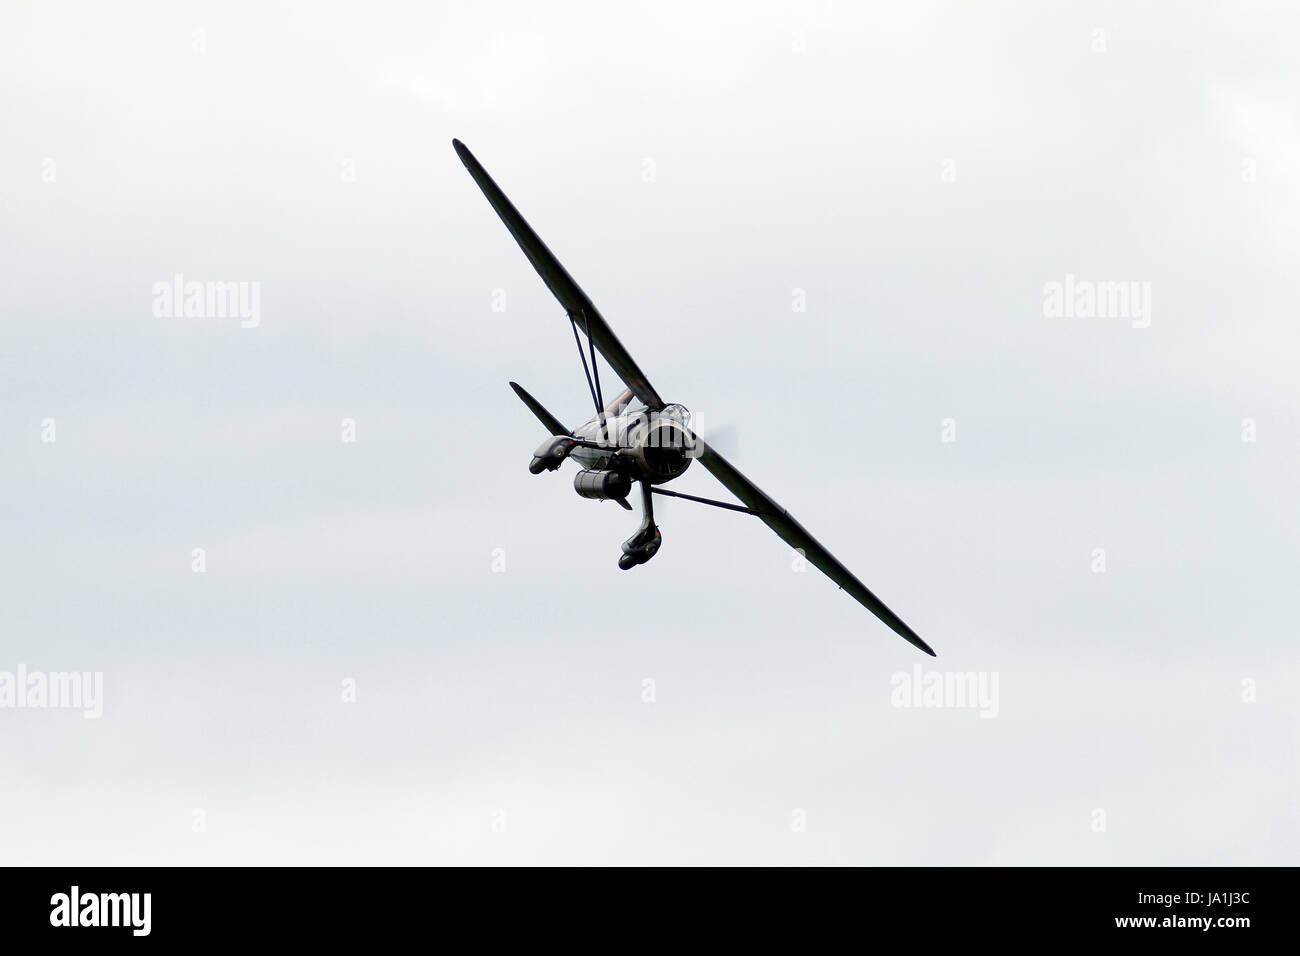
678,413
636,410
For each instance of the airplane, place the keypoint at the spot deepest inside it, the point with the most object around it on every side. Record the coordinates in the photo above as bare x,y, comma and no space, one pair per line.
638,437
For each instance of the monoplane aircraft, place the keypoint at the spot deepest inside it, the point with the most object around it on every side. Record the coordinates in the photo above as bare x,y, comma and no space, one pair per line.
638,438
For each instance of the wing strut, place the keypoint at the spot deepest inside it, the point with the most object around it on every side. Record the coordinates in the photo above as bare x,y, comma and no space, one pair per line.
707,501
593,387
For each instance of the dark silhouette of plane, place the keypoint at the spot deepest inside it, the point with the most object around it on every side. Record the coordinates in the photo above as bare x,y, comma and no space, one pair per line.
638,438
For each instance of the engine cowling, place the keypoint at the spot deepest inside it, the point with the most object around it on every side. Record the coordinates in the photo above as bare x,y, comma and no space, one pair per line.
663,448
603,485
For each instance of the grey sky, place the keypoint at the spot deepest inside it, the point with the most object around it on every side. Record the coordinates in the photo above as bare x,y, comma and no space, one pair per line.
921,172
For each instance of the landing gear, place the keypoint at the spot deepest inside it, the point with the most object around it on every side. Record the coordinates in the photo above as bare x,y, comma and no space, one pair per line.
643,545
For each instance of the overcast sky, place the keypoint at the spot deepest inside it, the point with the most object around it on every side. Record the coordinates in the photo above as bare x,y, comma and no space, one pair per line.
834,226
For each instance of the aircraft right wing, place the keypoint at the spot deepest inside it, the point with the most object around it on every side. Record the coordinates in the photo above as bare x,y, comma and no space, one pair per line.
561,284
795,535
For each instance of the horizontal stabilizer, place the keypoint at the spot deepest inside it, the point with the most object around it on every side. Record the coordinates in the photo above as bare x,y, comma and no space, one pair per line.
546,418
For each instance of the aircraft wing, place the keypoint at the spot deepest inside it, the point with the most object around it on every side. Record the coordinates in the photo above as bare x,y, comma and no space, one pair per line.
561,284
795,535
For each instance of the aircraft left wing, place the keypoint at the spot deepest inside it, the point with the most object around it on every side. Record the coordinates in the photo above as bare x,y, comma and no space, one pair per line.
795,535
561,284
